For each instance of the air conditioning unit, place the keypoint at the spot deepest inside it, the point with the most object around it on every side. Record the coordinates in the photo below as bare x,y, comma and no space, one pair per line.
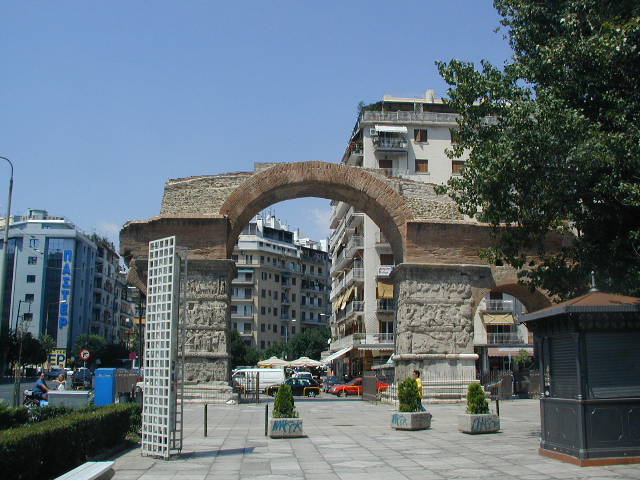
373,132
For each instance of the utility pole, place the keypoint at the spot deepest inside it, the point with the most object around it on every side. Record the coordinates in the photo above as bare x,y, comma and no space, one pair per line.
4,324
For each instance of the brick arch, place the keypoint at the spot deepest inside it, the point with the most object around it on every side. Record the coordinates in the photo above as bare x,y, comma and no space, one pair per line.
352,185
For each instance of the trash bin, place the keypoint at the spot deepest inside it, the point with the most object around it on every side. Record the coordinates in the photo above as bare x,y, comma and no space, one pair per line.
105,386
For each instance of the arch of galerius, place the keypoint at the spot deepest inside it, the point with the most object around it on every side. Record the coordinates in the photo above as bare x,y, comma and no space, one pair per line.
439,278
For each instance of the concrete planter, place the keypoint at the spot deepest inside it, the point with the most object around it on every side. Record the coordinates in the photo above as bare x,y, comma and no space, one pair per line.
411,420
480,423
285,427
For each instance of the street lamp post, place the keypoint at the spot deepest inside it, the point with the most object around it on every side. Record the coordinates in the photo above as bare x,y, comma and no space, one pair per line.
4,325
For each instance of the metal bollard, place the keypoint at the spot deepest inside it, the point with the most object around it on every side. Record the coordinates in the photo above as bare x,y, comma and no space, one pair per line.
497,406
266,419
205,419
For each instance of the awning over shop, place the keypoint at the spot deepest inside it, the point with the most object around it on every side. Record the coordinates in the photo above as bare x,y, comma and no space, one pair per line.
497,318
385,290
391,128
507,352
336,355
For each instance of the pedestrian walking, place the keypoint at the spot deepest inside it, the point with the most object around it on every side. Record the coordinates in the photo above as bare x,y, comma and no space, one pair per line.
416,376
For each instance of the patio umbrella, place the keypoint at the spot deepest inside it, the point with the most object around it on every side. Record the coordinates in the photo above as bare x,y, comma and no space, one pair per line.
273,362
305,362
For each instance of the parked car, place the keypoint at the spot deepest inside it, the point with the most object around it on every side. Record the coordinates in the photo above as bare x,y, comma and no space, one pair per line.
329,382
246,378
306,387
82,378
354,387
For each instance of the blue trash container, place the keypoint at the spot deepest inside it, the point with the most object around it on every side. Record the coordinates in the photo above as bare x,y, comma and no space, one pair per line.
105,386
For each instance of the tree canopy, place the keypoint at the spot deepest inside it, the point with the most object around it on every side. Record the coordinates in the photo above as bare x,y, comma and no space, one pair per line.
553,142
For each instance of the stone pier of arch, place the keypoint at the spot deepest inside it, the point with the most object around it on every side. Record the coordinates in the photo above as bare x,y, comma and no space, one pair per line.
439,278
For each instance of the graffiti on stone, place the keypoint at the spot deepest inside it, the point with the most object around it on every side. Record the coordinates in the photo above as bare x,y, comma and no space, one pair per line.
286,427
398,420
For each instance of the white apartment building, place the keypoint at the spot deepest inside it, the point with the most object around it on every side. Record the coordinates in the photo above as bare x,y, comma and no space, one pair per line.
398,137
282,287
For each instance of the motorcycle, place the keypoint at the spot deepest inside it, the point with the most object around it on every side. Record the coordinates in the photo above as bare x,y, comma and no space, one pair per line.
31,399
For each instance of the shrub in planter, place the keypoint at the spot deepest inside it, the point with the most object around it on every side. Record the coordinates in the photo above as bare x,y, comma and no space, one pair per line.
408,417
285,422
477,419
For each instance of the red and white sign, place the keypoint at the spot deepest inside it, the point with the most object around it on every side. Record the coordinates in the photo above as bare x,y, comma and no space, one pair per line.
85,354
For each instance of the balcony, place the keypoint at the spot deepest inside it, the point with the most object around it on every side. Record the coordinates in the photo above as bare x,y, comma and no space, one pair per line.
242,315
381,240
410,117
347,253
511,338
362,339
355,306
241,298
242,281
498,306
354,275
386,305
390,143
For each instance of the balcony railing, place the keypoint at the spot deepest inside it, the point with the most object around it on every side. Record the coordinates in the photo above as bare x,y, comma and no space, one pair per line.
363,339
355,274
242,315
439,118
389,143
243,281
355,306
386,305
498,306
505,339
348,251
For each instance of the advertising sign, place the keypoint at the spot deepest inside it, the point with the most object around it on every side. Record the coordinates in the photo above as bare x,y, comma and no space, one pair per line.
57,358
64,306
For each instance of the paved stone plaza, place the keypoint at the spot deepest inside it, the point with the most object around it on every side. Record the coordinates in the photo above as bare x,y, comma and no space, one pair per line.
349,439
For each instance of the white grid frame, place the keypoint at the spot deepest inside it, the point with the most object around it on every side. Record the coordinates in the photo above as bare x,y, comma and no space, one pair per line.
161,430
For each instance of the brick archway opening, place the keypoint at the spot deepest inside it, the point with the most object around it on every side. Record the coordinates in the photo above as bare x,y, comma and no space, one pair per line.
355,186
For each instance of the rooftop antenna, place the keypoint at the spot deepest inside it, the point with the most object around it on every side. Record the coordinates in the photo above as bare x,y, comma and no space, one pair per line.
593,282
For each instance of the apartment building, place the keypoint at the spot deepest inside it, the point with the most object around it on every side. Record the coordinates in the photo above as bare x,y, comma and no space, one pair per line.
396,137
49,277
107,292
282,287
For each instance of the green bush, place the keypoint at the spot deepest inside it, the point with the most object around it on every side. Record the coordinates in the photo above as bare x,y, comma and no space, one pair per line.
283,405
49,448
12,417
476,399
408,395
39,414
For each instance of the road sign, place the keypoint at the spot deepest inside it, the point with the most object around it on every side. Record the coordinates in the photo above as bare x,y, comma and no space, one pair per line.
85,354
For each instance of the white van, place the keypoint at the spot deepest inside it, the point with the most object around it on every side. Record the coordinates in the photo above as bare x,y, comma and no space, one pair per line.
246,377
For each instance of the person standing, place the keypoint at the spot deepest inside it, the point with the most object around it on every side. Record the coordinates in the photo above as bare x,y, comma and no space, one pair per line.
416,376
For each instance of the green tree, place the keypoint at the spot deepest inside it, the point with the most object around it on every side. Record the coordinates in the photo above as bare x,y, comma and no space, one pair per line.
553,143
48,342
283,404
240,352
476,399
94,343
25,349
408,395
309,343
277,349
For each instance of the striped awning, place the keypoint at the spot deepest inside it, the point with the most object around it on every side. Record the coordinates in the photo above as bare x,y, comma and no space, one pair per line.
336,355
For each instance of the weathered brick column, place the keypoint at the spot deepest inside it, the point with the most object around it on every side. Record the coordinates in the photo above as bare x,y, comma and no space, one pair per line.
208,300
434,320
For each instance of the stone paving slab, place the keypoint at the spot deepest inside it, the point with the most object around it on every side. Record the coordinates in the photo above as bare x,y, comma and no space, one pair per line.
348,439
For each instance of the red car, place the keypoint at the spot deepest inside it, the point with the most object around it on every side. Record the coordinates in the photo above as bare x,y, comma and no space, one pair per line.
354,387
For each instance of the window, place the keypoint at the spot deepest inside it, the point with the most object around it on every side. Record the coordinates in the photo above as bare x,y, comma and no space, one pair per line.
275,328
264,275
263,293
32,260
454,136
248,292
27,317
282,330
262,327
422,166
31,279
293,281
293,314
304,316
234,309
420,134
247,327
261,258
293,330
385,164
262,344
319,271
29,297
263,311
293,297
277,278
34,242
456,167
275,312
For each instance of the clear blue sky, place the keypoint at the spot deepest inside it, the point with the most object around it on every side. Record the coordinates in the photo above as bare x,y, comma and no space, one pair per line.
102,101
